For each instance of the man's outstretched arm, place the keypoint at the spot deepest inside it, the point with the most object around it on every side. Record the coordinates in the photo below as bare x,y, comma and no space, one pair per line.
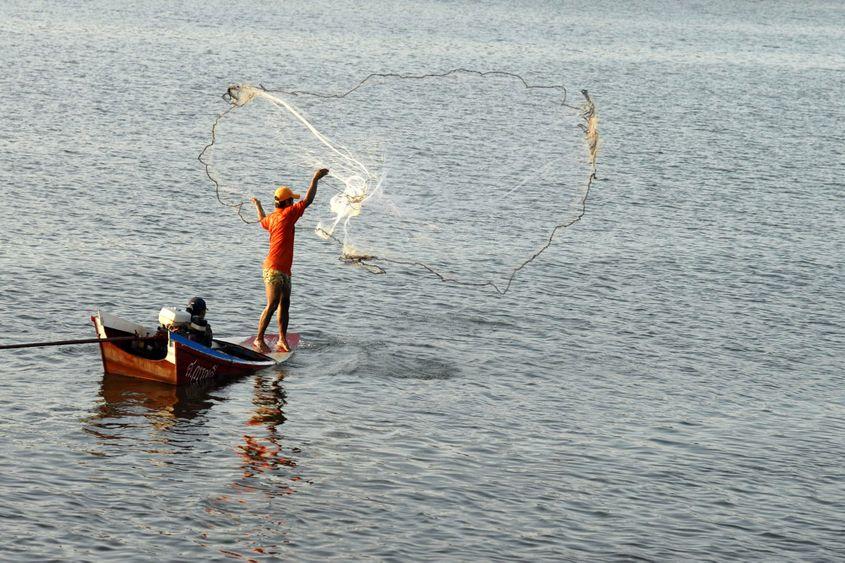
258,209
312,189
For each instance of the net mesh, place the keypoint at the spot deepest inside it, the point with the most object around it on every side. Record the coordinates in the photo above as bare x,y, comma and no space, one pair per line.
468,176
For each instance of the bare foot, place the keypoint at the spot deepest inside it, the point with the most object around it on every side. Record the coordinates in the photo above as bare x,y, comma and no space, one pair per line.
260,345
282,346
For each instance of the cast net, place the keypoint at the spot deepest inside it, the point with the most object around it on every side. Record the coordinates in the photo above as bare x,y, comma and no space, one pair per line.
466,176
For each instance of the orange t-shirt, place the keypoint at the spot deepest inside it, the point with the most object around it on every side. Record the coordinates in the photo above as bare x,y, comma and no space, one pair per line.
281,224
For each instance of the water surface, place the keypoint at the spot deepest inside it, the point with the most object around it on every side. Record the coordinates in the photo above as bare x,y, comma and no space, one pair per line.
664,383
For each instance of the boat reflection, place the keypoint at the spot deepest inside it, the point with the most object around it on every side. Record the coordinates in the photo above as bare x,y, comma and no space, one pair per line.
164,419
148,416
127,397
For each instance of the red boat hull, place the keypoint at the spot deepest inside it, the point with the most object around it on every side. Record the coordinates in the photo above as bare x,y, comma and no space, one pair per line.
186,363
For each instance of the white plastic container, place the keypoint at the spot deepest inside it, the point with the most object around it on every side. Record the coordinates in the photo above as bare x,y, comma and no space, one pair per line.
170,317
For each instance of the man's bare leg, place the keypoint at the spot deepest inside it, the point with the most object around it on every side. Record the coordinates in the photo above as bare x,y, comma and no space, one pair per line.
274,295
283,318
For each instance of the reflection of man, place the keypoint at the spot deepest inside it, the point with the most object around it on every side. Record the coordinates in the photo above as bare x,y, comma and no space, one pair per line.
277,266
262,451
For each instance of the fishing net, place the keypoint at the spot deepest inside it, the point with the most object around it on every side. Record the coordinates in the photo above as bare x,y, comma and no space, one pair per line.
467,176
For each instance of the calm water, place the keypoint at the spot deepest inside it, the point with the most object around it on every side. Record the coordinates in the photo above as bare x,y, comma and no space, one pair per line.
663,384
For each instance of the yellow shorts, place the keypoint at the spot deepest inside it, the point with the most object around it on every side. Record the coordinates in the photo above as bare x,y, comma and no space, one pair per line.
276,277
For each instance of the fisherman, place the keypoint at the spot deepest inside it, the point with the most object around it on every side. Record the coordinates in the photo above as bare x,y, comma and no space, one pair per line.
277,265
198,330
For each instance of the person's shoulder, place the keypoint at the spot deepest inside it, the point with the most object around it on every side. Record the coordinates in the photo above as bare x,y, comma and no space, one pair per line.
296,210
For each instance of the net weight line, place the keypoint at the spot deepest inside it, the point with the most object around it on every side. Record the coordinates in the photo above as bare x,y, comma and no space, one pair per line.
207,166
453,72
590,129
371,263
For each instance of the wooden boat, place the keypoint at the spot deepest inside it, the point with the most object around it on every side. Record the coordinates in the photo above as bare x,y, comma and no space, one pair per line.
170,357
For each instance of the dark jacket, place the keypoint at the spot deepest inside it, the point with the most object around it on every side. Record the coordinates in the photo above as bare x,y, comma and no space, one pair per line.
200,331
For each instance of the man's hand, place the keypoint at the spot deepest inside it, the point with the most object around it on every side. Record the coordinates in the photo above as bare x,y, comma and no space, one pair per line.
312,189
258,209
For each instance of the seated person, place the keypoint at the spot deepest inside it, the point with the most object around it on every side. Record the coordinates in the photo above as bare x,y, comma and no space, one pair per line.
198,330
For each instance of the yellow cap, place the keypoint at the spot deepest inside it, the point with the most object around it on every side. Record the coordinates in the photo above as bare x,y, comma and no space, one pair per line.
283,193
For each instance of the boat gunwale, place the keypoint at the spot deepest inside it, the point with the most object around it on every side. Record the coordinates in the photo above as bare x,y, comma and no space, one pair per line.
217,354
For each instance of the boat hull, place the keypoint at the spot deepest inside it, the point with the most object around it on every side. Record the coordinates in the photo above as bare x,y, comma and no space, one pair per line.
185,363
120,362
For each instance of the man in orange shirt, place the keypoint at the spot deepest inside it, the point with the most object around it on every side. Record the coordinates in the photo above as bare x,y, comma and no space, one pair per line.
277,266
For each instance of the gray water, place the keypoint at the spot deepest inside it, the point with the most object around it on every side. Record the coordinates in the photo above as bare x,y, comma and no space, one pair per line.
664,383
